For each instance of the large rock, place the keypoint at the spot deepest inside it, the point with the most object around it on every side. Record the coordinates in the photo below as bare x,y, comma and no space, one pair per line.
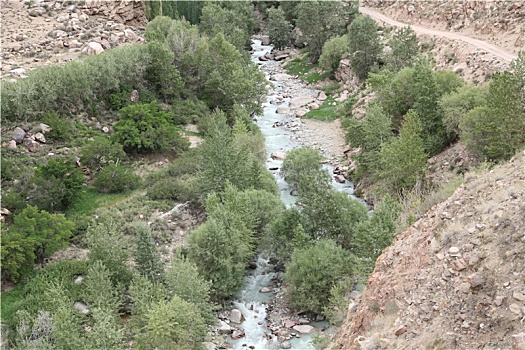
265,39
283,110
278,155
43,128
131,12
11,144
39,137
81,307
280,77
304,328
32,145
18,134
301,101
93,48
236,316
238,334
225,328
301,112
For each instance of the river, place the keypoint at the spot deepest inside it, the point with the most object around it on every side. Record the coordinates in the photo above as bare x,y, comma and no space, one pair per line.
278,130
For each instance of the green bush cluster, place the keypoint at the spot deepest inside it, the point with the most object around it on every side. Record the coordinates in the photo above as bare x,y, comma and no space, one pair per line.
279,29
147,128
116,178
333,51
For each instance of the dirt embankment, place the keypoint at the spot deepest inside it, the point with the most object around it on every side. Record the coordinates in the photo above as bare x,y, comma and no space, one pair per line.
455,279
501,23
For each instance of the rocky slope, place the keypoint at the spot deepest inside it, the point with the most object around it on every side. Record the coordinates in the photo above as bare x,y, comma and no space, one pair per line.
42,32
455,278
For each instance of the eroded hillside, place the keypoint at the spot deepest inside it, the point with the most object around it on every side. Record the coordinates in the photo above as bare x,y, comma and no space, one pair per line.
455,279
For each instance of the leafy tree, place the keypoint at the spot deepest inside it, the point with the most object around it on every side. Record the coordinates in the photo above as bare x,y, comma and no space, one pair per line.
302,165
279,29
279,234
456,105
56,185
426,97
321,20
105,333
332,214
364,45
45,232
158,29
311,273
145,128
116,178
161,73
404,49
100,292
369,134
172,325
143,294
100,152
496,131
147,259
403,159
222,160
333,51
377,233
221,252
229,80
107,244
235,22
183,279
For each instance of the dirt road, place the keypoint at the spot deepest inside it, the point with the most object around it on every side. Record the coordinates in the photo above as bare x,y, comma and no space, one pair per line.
422,30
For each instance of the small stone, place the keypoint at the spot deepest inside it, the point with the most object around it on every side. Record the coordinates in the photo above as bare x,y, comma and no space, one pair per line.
265,290
303,320
238,334
225,328
499,300
79,279
464,287
515,308
476,281
105,129
340,179
81,307
518,296
31,145
314,106
322,96
11,144
400,330
453,250
286,345
43,128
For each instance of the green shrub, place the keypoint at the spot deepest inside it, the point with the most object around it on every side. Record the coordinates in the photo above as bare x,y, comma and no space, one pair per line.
312,272
333,51
183,188
101,152
116,178
174,324
456,105
188,111
146,128
183,279
56,185
107,244
147,258
63,128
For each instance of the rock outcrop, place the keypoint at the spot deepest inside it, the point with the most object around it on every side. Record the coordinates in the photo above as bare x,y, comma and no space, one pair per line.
454,279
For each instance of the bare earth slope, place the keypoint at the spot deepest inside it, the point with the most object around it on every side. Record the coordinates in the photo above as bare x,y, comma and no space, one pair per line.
439,33
456,278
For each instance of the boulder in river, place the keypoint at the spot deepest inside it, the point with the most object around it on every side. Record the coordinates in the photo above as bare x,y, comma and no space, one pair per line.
278,155
236,316
304,329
